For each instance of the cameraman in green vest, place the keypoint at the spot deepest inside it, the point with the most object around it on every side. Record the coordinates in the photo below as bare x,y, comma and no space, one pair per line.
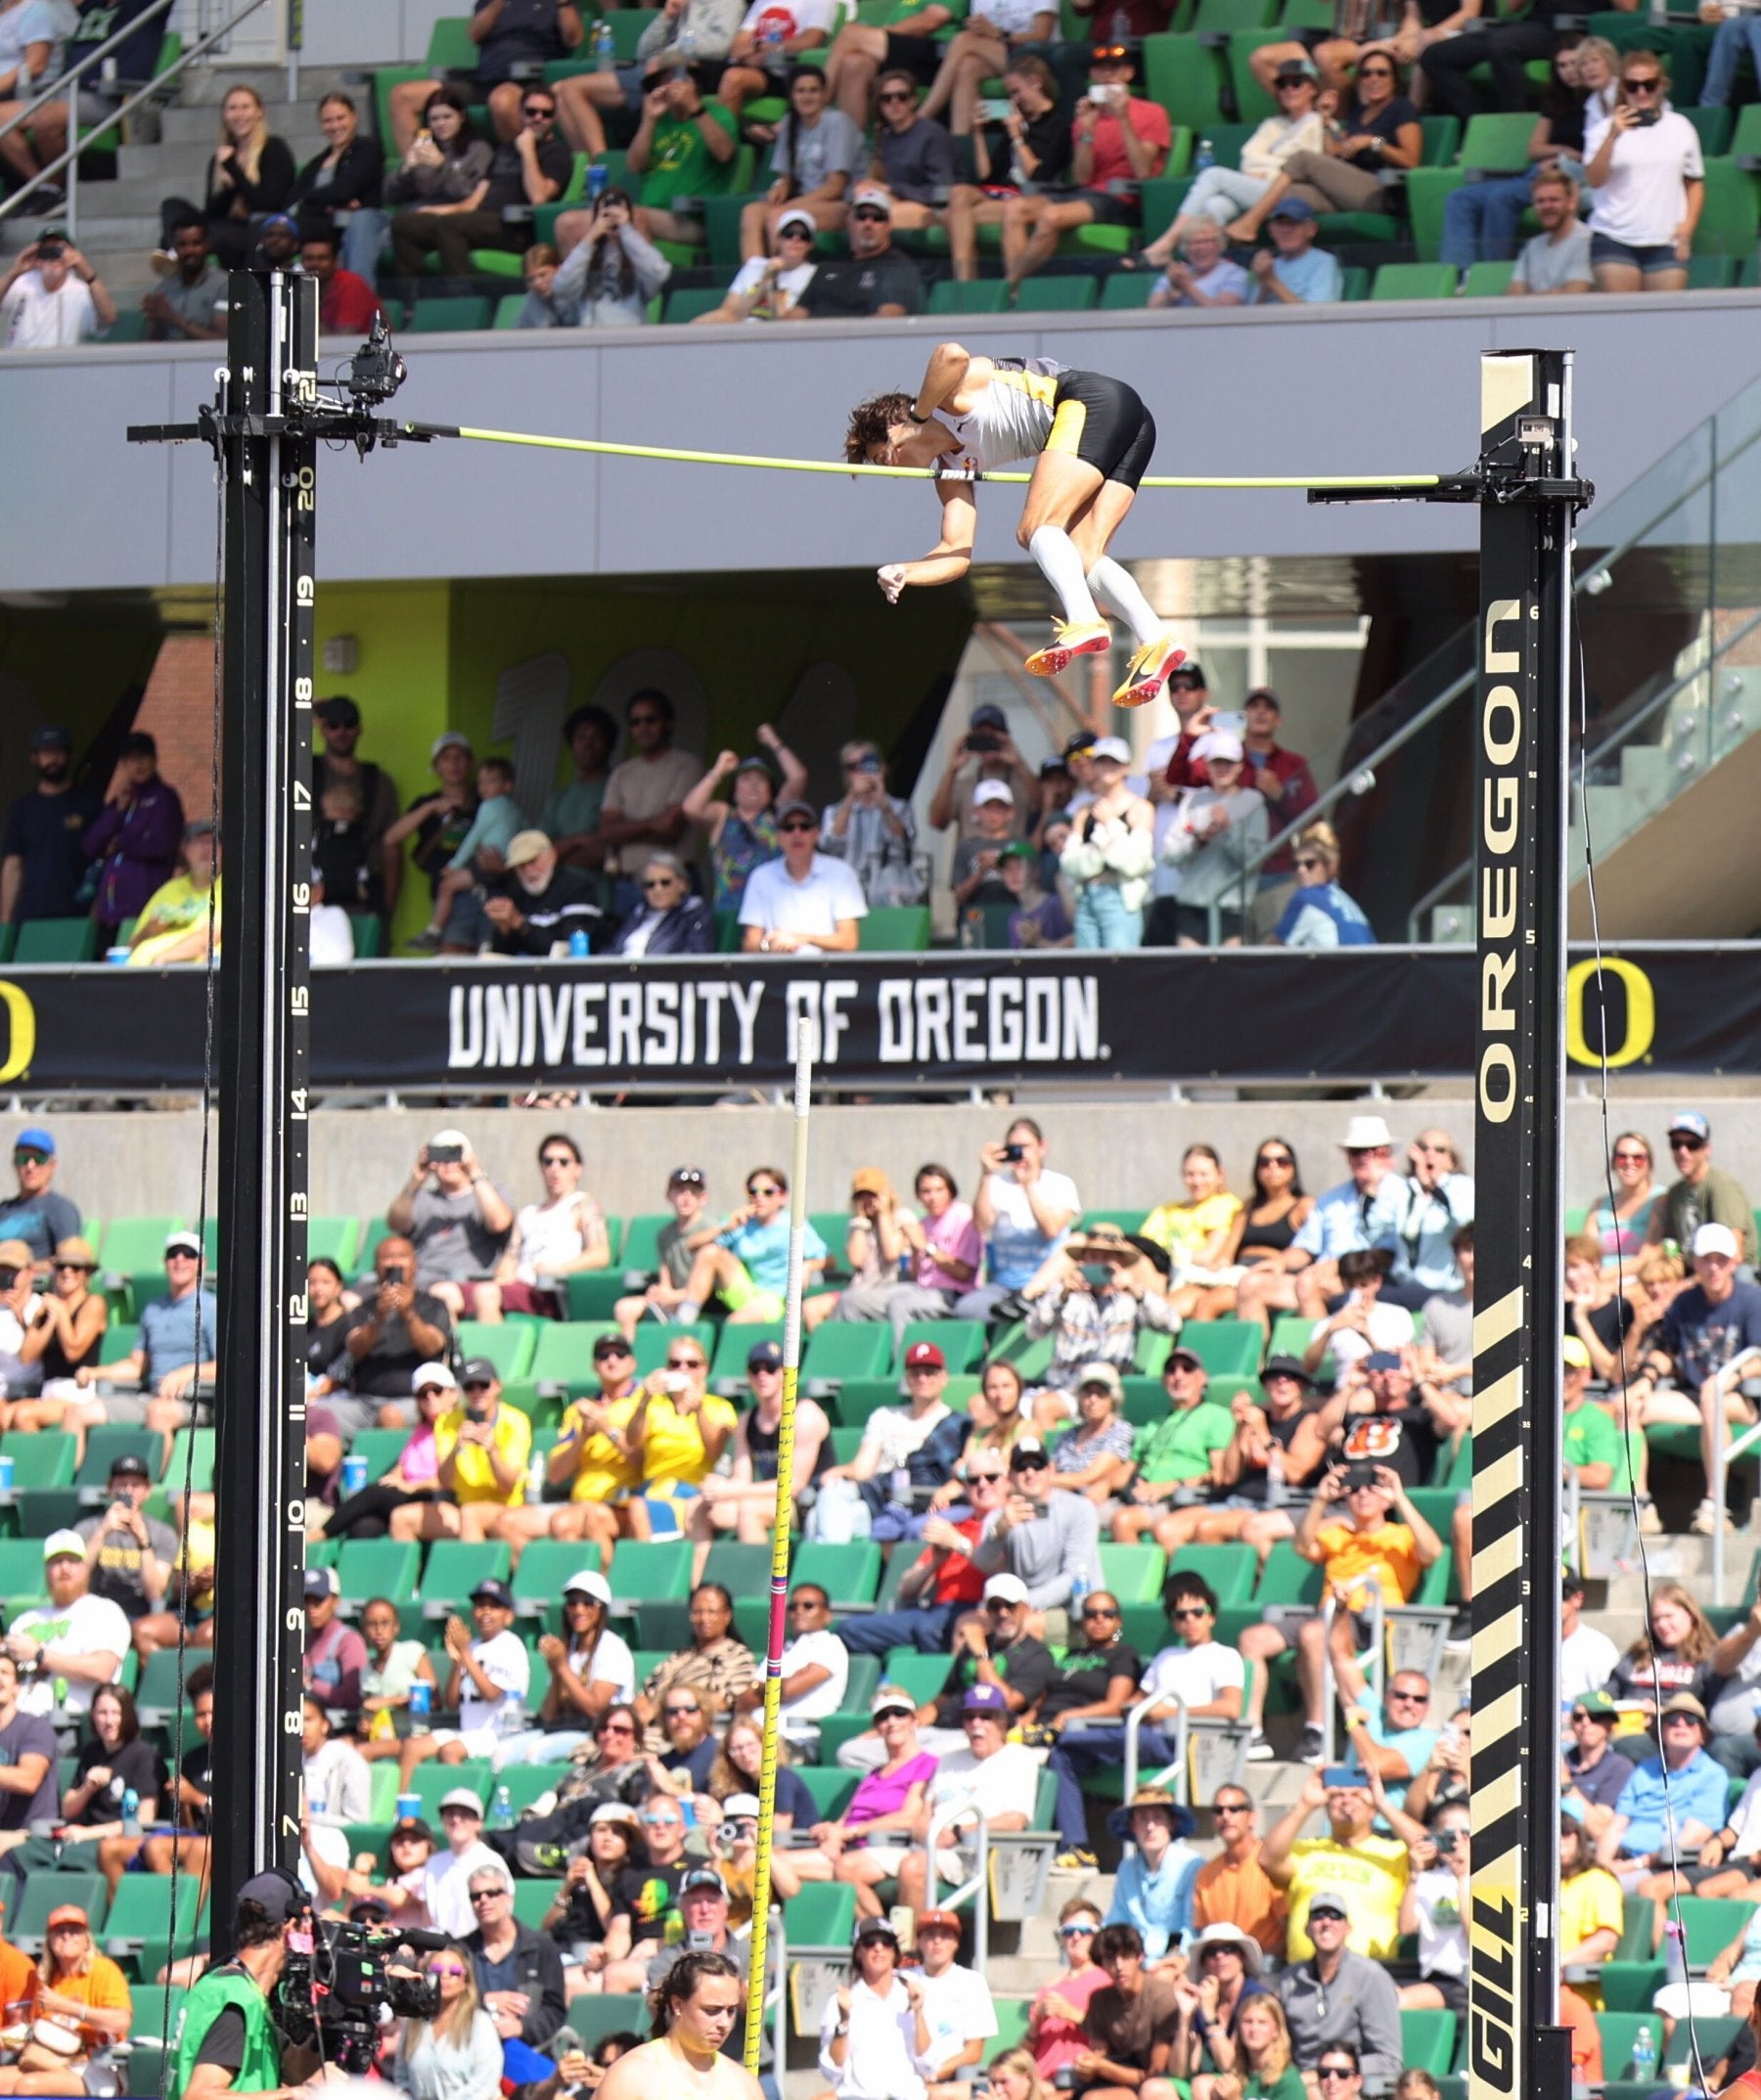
229,2043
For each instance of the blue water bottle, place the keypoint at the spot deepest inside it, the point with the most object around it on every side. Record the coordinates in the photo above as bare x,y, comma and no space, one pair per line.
1205,157
579,946
598,175
604,46
131,1812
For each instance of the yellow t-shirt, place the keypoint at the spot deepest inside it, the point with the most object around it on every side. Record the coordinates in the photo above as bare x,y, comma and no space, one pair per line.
1372,1876
1589,1902
1185,1228
103,1987
1387,1558
601,1471
672,1452
199,1548
182,907
474,1481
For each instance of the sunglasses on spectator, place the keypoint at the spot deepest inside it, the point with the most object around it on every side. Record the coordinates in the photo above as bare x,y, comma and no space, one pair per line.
30,1155
661,1822
486,1896
179,1254
897,94
1685,1144
895,1712
1077,1932
686,1364
82,1268
1292,80
615,1727
1099,1611
558,1159
796,233
658,881
1327,1912
807,824
478,1385
764,1188
1275,1159
1233,1807
1029,1462
1308,860
1335,2070
614,1349
677,1712
1632,1159
862,211
1382,73
1191,1611
1409,1698
538,109
1578,1714
1643,84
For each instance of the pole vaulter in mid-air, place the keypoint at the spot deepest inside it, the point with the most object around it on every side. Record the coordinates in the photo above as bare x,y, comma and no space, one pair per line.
1091,438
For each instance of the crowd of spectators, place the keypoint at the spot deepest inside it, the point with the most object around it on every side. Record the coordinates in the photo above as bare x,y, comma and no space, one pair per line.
656,855
1279,1948
857,134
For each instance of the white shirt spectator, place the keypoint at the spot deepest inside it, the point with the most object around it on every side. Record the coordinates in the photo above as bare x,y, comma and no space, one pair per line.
446,1886
331,1847
32,318
957,2009
1004,1783
751,276
338,1786
881,2062
1194,1676
824,1648
1442,1936
504,1660
1644,199
775,903
611,1660
1017,1246
330,936
1587,1660
900,1434
1390,1327
89,1623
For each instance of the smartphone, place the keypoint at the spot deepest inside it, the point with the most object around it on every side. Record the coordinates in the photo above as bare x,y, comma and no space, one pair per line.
1647,117
983,741
1228,719
1102,95
445,1155
394,1273
868,764
993,109
1013,1152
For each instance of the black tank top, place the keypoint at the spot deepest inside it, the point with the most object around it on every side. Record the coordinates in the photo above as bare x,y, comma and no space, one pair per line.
56,1363
1251,1487
1272,1238
763,1444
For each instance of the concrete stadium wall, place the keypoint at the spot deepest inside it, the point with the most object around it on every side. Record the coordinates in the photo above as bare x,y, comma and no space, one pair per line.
1120,1153
1345,389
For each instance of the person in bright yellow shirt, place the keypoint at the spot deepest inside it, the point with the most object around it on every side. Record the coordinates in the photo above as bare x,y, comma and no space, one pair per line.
1592,1917
1371,1871
1346,1530
1196,1233
597,1457
482,1449
685,1427
173,925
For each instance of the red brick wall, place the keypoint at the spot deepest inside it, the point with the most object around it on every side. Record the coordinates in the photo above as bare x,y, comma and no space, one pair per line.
178,713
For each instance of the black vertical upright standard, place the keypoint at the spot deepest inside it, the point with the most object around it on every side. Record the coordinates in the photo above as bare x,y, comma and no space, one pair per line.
264,431
1528,493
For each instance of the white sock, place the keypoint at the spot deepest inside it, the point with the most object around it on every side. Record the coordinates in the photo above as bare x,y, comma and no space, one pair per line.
1061,566
1112,581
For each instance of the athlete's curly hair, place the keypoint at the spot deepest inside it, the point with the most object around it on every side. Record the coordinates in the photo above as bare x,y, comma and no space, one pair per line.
870,423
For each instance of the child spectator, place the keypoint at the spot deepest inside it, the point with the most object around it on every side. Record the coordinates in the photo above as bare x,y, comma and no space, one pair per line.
481,852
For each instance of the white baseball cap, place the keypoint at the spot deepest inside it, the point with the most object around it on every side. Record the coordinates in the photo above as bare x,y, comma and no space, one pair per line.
991,791
590,1582
1114,747
1218,743
1717,1240
432,1374
1364,1133
456,1138
64,1541
1006,1589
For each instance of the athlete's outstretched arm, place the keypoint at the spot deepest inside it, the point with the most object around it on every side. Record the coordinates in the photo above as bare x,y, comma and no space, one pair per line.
948,367
948,560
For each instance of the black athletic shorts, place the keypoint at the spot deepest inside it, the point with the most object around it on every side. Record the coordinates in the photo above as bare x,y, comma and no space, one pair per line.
918,55
1104,424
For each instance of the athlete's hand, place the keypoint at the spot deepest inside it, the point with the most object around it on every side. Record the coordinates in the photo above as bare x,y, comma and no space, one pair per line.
891,580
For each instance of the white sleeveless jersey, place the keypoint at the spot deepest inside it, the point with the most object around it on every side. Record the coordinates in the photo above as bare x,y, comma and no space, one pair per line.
1011,419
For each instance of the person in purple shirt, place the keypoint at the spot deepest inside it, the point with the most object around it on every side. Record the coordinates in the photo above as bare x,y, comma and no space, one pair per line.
134,838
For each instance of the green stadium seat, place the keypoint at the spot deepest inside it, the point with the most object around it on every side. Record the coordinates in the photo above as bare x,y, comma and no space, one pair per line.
961,1341
922,1675
1354,290
831,1788
743,1570
118,1341
1288,1579
1442,139
690,301
508,309
1056,295
1227,1348
377,1567
1714,126
1488,279
379,1447
42,1891
849,1575
1428,2041
141,1910
105,1442
41,1458
642,1242
1133,1573
159,1690
21,1571
156,2007
613,2013
1414,281
846,1349
42,1510
822,1915
896,929
1709,1925
9,935
450,49
858,1398
645,1568
454,1569
449,316
1229,1569
532,1900
1497,144
1252,102
846,1444
335,1239
734,1343
191,1466
1711,272
509,1344
434,1780
563,1354
138,1243
1729,214
57,941
1125,290
1185,78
